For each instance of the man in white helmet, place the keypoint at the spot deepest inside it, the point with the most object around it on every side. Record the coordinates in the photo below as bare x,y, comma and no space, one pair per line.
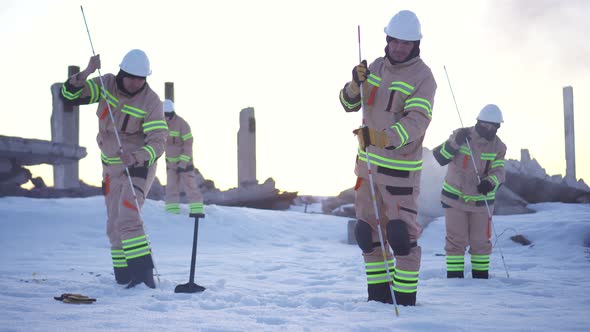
180,169
398,91
466,192
129,108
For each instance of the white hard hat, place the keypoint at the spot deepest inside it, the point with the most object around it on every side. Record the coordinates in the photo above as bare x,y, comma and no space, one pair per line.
136,63
168,106
404,26
490,113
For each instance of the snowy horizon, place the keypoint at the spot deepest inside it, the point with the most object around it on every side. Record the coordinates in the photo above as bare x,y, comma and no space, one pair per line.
281,270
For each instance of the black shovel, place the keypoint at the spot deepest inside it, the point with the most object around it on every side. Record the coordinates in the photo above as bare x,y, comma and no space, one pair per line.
191,287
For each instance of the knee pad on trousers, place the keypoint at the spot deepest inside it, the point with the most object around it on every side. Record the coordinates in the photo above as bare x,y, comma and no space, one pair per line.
362,233
398,237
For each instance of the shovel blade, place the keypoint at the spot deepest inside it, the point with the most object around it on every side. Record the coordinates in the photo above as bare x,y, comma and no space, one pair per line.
189,287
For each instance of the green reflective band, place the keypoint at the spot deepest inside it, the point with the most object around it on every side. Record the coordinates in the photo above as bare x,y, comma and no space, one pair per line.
480,262
184,157
109,97
402,87
346,103
196,207
495,180
70,95
174,133
94,94
419,102
401,132
455,263
476,198
405,289
110,160
150,150
467,198
376,266
136,247
406,275
465,150
374,80
187,136
173,208
133,111
377,273
444,152
173,159
498,163
447,187
154,125
405,281
403,165
119,259
377,279
488,156
134,241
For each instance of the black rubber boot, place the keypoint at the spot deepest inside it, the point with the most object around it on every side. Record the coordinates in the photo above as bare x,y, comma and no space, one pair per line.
122,275
480,274
380,293
141,271
405,299
455,274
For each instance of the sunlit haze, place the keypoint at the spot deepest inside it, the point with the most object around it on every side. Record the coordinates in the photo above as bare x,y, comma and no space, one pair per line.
288,60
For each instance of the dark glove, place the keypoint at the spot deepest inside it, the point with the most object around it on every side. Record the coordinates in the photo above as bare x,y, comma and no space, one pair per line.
360,72
484,187
462,136
180,170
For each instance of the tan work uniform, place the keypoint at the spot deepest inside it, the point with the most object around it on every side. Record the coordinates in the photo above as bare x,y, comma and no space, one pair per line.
142,129
466,215
398,100
179,167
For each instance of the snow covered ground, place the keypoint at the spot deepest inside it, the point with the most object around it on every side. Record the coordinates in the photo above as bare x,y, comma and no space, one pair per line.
280,271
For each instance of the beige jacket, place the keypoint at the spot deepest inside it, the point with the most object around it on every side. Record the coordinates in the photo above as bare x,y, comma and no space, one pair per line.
139,120
179,146
460,186
398,100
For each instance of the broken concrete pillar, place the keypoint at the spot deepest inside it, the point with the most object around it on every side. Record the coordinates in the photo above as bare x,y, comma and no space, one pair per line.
247,148
570,142
65,128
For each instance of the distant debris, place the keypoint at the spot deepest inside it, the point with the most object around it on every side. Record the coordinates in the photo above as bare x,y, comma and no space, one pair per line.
520,239
16,152
530,181
26,151
260,196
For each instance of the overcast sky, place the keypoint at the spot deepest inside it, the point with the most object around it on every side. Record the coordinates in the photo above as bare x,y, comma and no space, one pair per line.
289,60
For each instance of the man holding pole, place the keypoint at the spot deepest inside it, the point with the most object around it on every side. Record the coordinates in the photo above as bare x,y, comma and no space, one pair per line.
475,156
131,136
396,93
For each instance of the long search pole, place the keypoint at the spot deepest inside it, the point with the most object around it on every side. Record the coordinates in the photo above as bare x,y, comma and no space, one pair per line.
373,198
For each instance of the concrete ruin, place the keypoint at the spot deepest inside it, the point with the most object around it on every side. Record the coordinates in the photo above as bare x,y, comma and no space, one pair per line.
16,152
247,148
570,141
64,153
